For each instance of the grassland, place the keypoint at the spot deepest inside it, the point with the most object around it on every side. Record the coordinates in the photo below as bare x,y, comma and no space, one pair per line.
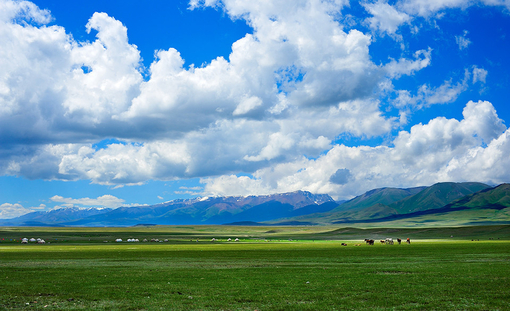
264,271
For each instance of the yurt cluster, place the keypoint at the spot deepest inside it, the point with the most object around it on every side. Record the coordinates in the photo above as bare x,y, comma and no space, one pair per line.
32,240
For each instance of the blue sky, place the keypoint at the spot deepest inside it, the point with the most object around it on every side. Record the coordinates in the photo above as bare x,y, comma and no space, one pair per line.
109,103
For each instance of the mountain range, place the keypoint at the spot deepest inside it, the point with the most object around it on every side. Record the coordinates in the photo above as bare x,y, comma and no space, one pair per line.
466,202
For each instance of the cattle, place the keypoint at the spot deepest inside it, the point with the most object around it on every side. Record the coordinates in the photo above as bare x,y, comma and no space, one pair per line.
389,241
382,241
408,241
399,241
369,242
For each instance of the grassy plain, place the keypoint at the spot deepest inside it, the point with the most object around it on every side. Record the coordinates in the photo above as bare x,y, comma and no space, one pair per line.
311,272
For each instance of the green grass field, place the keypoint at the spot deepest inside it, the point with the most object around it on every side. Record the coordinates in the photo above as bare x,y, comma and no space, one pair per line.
314,272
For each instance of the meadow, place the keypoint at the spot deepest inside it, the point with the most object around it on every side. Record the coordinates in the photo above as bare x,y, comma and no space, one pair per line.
270,268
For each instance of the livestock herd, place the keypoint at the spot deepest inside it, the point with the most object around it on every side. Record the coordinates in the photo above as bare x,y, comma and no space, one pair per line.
387,241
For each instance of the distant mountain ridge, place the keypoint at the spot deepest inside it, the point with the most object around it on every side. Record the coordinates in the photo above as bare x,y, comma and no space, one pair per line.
206,210
476,202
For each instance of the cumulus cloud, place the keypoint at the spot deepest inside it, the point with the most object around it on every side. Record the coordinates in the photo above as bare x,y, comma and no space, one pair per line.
267,103
426,154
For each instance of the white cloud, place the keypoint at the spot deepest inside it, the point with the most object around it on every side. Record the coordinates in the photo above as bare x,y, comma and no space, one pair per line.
23,9
246,105
385,17
103,201
428,8
479,75
404,66
8,210
445,93
125,163
112,79
463,41
488,164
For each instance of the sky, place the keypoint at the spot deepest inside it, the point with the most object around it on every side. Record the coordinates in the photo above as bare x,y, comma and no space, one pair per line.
123,103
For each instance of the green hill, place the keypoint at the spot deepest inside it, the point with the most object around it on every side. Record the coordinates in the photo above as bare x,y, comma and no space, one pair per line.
384,196
425,198
437,196
493,198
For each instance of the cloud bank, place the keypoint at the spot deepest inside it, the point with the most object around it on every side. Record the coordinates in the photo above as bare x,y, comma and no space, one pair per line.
274,110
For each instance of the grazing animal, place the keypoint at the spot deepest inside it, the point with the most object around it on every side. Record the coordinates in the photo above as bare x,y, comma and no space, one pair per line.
389,241
344,244
382,241
370,242
408,241
399,241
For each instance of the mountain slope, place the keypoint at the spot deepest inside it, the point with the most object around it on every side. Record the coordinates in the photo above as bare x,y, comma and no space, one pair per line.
384,196
488,206
492,198
437,196
413,200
